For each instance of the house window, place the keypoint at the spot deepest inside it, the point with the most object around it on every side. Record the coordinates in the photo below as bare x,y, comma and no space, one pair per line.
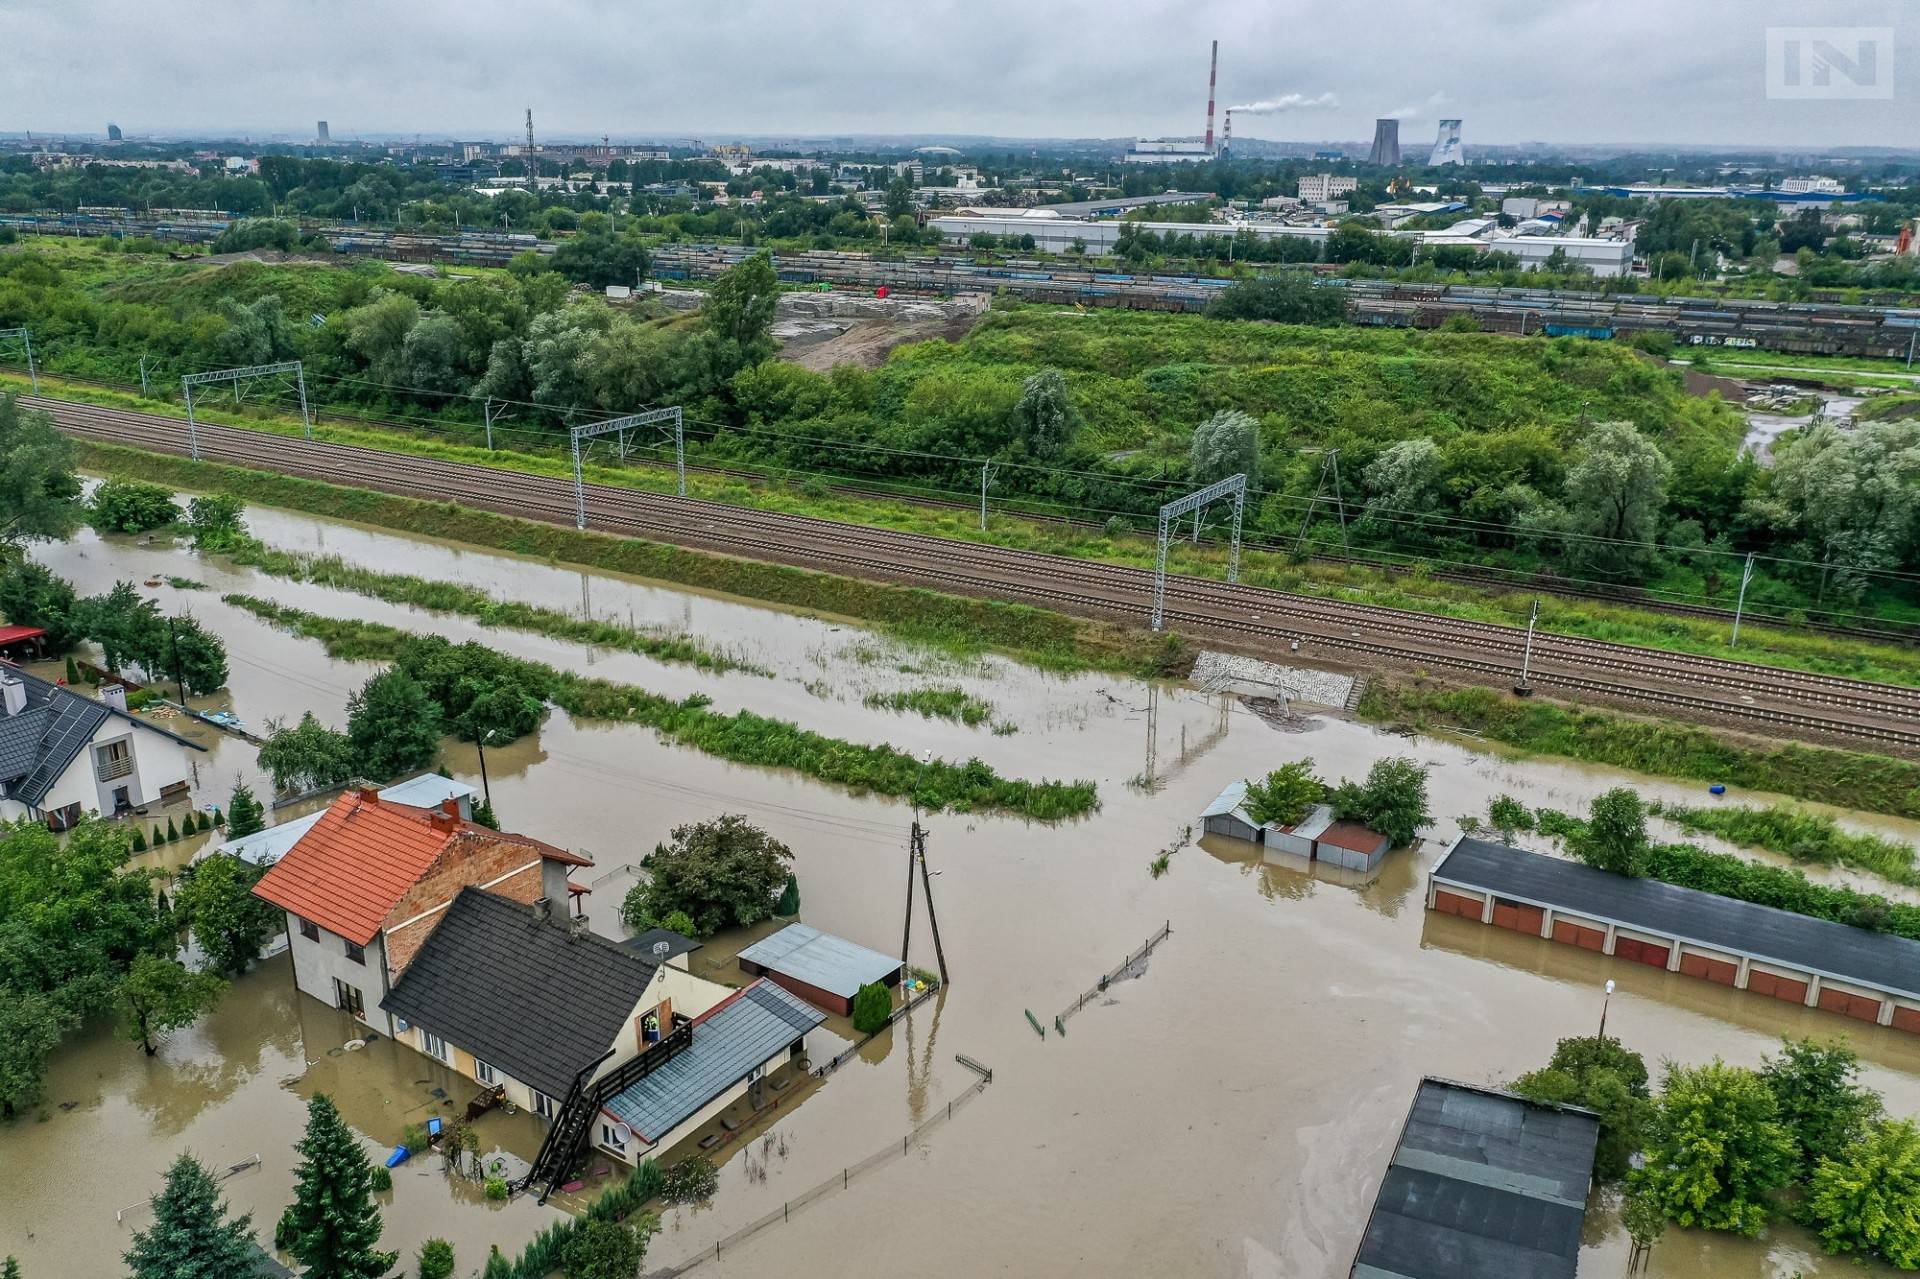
611,1139
347,999
309,930
545,1106
483,1071
357,953
435,1046
113,761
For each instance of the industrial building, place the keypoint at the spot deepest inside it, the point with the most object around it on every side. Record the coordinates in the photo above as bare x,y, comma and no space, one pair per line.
1482,1183
1318,188
1446,147
320,133
1386,144
1871,977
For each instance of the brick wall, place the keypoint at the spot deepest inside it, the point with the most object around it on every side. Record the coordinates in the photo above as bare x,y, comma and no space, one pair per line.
466,862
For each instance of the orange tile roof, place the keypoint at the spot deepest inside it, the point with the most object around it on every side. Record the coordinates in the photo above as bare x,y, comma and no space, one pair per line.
362,856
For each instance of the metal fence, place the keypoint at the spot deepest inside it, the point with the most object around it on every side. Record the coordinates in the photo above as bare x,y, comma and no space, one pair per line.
852,1050
1129,967
848,1175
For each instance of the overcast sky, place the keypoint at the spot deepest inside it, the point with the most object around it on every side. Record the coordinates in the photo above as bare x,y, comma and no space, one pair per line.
1634,71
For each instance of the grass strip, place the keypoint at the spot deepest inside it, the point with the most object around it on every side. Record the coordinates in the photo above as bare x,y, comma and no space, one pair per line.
1622,622
1803,836
952,624
743,737
488,611
935,702
1845,779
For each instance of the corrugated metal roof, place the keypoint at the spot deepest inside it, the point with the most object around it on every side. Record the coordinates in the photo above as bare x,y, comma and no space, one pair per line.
829,963
1482,1183
531,997
1799,941
728,1042
1228,801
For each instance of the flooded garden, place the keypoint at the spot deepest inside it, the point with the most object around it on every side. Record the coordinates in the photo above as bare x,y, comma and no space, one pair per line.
1227,1109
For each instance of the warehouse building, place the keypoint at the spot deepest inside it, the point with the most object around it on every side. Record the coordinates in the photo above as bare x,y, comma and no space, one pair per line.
1868,976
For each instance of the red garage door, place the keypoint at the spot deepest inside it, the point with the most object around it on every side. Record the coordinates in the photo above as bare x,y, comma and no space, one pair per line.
1579,935
1641,952
1454,904
1762,983
1718,971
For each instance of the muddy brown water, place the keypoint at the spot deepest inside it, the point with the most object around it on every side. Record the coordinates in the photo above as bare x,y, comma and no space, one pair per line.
1229,1111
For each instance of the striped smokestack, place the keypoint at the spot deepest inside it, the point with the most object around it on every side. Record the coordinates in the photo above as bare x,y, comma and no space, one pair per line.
1213,73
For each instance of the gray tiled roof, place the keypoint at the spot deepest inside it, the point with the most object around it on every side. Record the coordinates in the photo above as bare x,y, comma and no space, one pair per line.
1708,919
821,960
530,997
733,1039
1482,1183
37,745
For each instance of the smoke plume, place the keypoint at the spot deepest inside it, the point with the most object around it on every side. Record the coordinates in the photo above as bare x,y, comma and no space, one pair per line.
1414,110
1285,102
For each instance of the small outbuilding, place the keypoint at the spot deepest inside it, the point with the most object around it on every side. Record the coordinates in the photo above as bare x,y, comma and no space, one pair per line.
1317,836
824,970
1482,1183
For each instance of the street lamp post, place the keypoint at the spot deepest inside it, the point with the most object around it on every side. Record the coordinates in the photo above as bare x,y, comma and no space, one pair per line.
1604,1001
486,790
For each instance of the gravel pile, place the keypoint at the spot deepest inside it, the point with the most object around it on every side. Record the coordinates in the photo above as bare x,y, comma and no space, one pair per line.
1251,675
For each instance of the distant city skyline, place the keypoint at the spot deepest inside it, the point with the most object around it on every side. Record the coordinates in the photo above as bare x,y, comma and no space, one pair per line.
1582,72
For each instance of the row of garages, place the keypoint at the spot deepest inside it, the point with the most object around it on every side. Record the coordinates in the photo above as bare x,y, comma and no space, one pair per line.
1870,977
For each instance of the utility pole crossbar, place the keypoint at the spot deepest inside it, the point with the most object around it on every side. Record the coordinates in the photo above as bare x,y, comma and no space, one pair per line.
236,376
619,426
25,339
1234,486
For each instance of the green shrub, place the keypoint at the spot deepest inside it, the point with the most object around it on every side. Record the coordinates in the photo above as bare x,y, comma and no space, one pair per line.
73,673
130,506
692,1180
789,903
381,1178
436,1259
872,1007
496,1188
139,840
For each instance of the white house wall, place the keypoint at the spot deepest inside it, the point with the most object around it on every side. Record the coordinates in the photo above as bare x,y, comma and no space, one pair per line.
158,762
317,963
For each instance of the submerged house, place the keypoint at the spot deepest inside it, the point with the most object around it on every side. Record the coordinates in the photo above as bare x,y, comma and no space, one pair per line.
1317,836
63,755
616,1046
369,881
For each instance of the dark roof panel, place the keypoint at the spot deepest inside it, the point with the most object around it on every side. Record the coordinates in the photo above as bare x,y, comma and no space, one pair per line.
1482,1183
529,996
1799,941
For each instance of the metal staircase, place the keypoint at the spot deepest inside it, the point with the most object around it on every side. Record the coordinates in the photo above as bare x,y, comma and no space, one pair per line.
574,1122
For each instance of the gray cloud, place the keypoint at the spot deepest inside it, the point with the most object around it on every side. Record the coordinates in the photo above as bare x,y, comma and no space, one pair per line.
1576,70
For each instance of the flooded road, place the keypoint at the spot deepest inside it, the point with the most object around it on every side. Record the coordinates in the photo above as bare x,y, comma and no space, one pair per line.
1228,1112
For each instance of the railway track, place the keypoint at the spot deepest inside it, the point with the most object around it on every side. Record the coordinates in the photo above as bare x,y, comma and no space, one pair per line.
1277,621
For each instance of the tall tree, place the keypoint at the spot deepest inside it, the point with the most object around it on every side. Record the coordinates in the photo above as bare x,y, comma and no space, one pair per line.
1615,491
1867,1197
393,725
1228,443
30,1029
216,900
1615,834
1285,794
741,303
308,756
160,995
1853,496
1392,800
1815,1084
127,626
332,1225
1715,1148
31,595
244,814
192,654
607,1250
191,1237
1605,1077
39,493
723,873
1045,416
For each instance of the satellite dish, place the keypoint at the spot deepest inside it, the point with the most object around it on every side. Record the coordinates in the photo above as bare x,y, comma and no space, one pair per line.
622,1134
661,948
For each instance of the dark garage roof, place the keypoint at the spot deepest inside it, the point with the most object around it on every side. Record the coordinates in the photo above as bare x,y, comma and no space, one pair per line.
1483,1183
529,996
38,744
1708,919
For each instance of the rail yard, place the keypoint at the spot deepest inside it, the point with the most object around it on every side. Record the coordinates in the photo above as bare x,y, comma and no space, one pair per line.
1775,701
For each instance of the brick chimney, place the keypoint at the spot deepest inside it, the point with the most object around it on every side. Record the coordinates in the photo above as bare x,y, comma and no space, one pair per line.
444,821
369,794
451,807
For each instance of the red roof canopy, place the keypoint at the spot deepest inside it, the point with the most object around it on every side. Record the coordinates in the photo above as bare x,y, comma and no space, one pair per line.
14,634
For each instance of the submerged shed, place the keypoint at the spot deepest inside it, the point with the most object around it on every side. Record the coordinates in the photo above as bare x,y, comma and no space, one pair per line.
822,969
1482,1183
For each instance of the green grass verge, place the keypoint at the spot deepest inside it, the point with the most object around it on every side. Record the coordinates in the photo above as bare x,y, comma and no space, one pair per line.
1846,779
951,624
1415,591
469,601
1803,836
743,737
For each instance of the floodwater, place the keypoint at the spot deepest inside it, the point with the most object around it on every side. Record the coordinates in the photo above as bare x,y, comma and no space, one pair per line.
1228,1112
1763,428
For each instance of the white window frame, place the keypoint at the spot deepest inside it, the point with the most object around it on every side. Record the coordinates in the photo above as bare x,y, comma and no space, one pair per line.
484,1072
433,1045
610,1141
544,1106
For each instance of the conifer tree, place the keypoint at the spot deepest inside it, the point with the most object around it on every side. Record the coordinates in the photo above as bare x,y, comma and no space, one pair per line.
244,816
332,1226
190,1237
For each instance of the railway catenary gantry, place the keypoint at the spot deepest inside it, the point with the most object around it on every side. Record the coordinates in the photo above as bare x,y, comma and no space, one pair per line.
1885,716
